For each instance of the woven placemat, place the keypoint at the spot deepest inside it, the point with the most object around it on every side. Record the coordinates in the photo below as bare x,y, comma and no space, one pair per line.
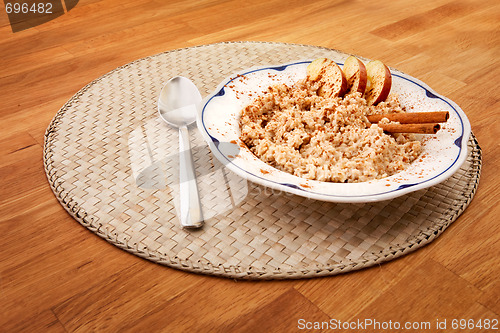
112,163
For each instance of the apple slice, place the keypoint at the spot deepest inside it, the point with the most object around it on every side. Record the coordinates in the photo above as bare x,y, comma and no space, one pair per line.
334,82
355,73
328,73
315,68
379,82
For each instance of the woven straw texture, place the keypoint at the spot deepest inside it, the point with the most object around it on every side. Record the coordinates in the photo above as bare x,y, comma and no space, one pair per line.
113,165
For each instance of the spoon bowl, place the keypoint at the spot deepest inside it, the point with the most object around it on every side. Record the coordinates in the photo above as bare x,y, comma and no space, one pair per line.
178,100
177,105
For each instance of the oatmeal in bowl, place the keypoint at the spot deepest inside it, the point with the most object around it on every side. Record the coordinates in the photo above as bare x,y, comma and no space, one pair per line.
324,138
299,129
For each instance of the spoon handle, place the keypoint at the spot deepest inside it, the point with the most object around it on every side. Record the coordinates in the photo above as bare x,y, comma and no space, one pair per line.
190,207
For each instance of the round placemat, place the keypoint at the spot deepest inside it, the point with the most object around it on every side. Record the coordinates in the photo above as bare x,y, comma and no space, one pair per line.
113,165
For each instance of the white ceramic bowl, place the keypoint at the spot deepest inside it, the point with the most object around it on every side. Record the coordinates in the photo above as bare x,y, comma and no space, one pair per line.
442,154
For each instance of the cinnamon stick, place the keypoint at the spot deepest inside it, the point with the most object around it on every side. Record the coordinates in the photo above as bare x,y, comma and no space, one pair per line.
411,128
412,117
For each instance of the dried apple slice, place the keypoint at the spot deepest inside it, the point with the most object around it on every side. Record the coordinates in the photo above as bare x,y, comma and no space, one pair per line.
379,82
355,73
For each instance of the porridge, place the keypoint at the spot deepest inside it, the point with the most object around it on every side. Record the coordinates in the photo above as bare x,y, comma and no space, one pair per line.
325,138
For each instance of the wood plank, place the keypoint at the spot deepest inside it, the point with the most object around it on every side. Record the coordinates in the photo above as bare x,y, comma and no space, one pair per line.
32,121
490,298
426,20
286,313
43,321
17,147
434,289
52,56
209,300
339,299
22,176
459,254
128,296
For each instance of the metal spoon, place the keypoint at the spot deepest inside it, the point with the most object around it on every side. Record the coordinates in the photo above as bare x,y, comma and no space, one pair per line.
177,106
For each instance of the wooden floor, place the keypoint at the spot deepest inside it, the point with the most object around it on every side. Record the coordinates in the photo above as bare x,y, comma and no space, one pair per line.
56,276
